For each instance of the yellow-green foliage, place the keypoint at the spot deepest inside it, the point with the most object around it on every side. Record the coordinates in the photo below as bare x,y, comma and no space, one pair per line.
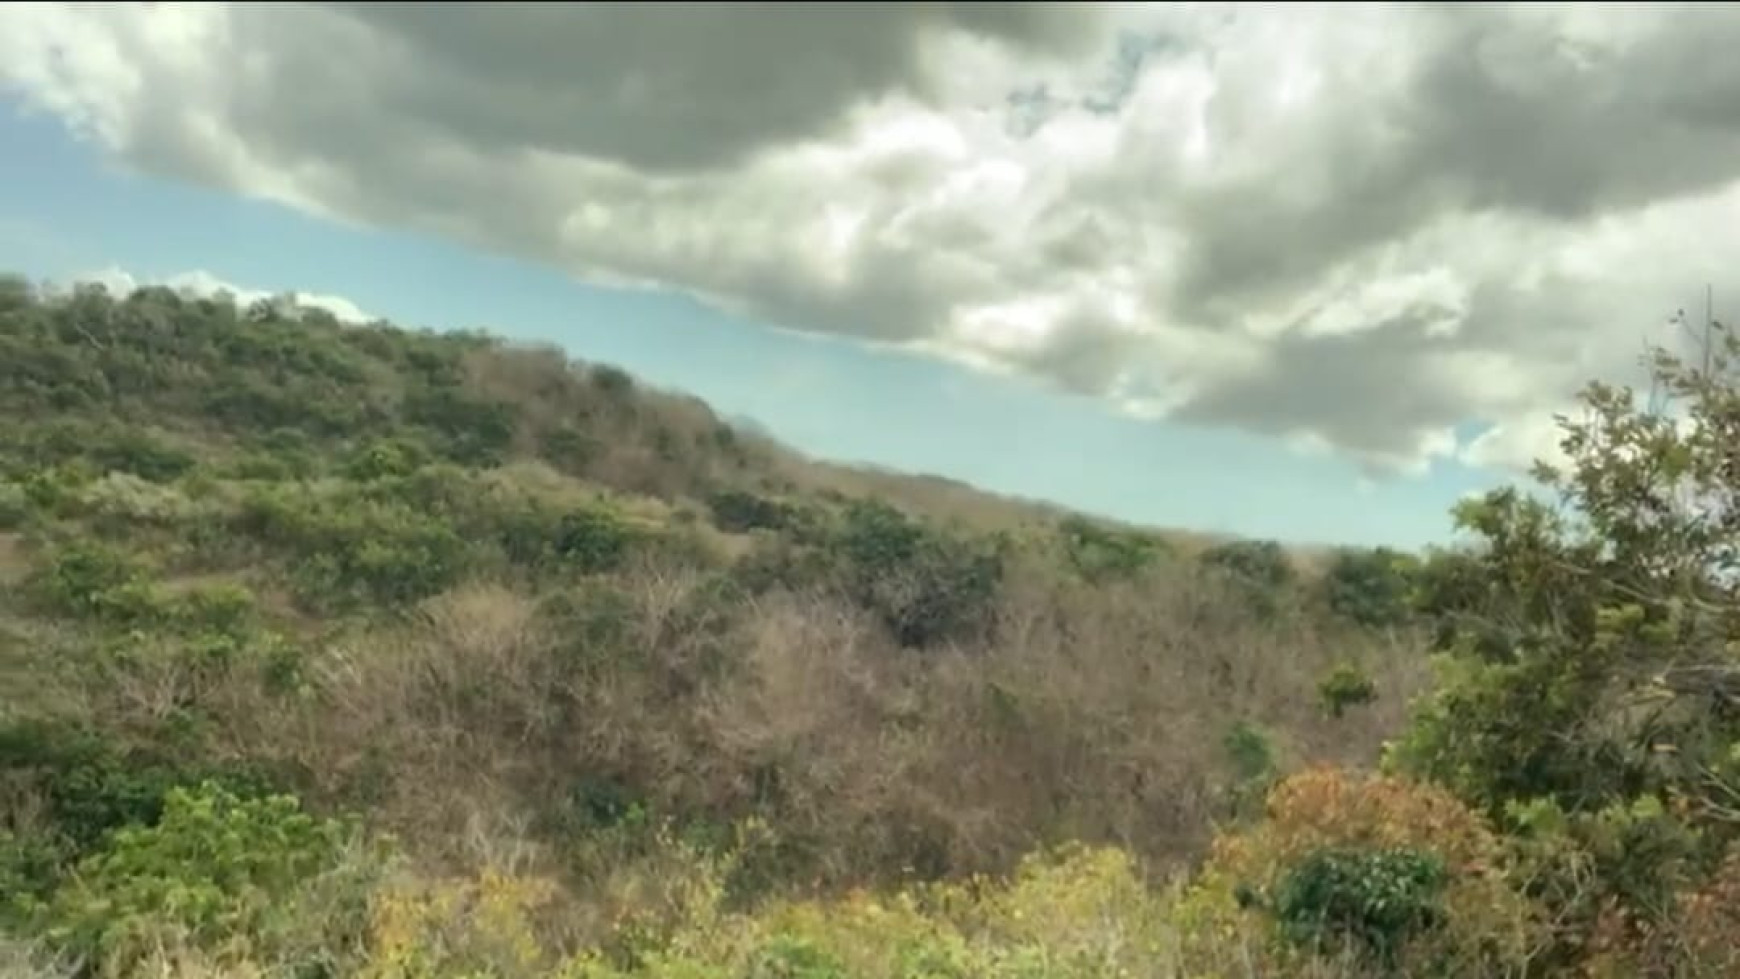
228,877
1077,913
479,926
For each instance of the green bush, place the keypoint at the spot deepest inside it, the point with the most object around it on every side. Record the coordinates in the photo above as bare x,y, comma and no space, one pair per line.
1098,553
592,623
1250,751
30,869
1375,902
243,402
1259,570
119,503
612,381
92,786
1345,686
926,585
1262,563
90,580
569,449
385,458
214,869
737,512
1370,587
348,549
105,444
1454,591
1589,667
466,430
132,451
791,957
57,490
593,539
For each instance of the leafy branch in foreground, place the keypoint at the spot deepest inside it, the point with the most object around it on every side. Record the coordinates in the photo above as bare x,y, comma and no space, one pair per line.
1588,700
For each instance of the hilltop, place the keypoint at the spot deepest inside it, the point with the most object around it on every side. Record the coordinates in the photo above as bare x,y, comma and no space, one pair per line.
318,480
403,623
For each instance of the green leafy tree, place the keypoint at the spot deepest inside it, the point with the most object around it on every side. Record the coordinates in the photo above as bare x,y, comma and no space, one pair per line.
1593,670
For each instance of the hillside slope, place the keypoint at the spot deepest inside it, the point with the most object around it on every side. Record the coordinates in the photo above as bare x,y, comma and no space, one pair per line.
519,610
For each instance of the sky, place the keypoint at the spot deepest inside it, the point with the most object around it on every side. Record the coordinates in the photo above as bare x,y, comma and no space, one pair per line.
1309,273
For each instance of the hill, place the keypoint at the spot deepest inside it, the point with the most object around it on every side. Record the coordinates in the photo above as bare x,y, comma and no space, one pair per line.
358,650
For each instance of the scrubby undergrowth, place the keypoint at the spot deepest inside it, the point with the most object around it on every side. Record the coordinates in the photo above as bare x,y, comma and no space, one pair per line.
359,651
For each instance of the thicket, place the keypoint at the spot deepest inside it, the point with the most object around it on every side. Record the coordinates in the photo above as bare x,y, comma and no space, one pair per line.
364,651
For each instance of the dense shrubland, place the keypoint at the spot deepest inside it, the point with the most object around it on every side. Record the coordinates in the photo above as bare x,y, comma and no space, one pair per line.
330,650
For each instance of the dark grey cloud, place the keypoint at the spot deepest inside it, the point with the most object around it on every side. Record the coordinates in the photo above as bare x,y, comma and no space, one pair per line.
1364,225
672,85
1492,112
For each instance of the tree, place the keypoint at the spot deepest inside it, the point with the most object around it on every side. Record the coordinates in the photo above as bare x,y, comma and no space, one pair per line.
1592,685
1370,587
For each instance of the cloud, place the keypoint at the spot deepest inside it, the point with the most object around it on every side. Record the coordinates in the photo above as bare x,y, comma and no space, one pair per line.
204,284
1357,228
1516,445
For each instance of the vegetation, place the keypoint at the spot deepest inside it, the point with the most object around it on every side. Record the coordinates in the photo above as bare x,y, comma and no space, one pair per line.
334,651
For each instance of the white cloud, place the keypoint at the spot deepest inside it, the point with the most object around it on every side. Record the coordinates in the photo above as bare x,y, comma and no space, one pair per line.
1518,444
1356,228
204,284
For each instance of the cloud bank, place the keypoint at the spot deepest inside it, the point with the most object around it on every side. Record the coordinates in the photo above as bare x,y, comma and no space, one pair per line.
1357,228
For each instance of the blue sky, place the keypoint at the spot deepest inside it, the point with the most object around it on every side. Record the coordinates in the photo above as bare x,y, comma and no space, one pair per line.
66,211
1272,228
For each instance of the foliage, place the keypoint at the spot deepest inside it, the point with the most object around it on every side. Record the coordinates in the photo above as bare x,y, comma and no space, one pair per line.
1330,849
1345,686
386,459
1099,553
1370,587
486,925
464,585
466,430
87,578
928,586
91,786
1260,571
1377,901
214,868
613,381
1585,700
347,547
104,444
1250,751
1261,563
737,511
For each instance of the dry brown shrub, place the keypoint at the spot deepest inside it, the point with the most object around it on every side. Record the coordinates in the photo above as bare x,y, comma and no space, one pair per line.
1086,712
1699,940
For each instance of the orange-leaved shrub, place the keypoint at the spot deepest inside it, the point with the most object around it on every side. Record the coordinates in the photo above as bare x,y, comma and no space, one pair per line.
1273,885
